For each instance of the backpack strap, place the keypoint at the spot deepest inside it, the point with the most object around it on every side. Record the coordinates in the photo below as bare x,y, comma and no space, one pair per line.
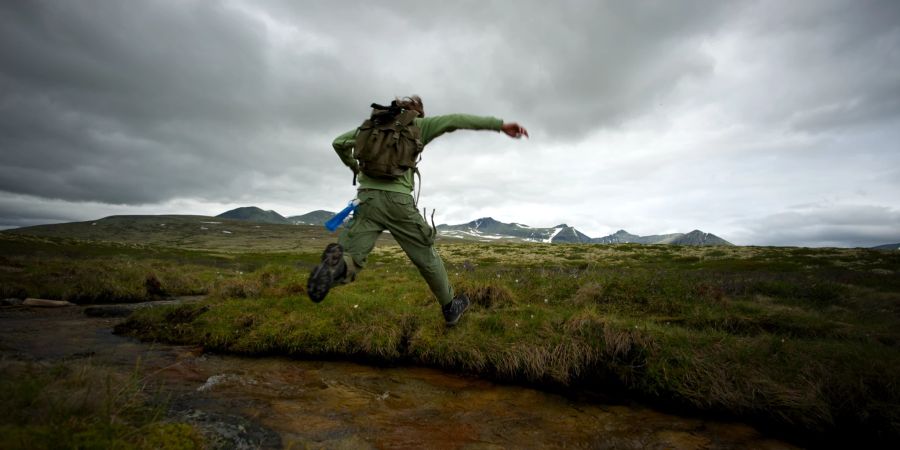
407,117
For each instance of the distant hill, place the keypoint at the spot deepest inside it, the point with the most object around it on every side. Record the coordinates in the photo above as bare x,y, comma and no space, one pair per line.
317,217
888,247
624,237
488,229
254,214
695,237
698,237
190,232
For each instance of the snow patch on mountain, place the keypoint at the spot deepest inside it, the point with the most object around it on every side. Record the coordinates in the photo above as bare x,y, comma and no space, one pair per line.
553,235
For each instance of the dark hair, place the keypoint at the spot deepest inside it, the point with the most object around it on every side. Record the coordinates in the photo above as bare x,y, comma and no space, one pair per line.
412,103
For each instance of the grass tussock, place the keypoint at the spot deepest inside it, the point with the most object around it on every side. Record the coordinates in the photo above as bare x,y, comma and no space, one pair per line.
81,405
488,295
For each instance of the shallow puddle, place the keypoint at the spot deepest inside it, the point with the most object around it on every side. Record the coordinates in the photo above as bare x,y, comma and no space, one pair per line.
312,404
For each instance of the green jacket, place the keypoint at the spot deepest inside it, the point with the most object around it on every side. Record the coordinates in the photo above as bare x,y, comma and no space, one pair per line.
431,128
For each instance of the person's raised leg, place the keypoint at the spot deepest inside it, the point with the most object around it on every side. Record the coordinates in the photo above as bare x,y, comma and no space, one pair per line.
341,261
416,238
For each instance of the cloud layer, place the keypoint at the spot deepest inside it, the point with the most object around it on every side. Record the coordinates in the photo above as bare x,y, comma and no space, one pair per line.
649,116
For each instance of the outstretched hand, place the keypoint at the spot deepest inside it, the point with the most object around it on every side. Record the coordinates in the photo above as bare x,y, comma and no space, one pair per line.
514,130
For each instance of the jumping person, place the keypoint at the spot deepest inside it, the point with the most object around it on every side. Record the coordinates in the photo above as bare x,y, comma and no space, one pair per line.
383,153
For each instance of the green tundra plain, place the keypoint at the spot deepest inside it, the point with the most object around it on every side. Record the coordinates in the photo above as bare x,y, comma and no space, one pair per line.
804,341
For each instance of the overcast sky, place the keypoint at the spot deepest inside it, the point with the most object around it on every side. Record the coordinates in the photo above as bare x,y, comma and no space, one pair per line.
764,122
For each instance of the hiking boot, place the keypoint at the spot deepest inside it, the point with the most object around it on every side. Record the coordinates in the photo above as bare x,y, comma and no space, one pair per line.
454,310
331,269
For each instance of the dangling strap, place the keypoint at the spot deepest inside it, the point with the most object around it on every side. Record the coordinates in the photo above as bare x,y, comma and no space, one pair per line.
425,216
434,228
418,194
416,169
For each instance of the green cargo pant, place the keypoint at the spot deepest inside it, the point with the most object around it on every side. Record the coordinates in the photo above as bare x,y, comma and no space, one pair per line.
393,211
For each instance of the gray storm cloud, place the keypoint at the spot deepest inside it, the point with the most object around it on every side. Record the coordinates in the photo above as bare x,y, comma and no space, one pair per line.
643,114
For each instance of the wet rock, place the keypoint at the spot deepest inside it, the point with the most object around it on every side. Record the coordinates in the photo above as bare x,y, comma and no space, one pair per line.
108,311
216,380
11,302
224,431
43,303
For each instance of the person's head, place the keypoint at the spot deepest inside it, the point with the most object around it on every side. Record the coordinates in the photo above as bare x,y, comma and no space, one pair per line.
412,103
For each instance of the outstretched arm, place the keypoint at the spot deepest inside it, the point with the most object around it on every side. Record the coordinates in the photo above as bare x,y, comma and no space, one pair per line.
435,126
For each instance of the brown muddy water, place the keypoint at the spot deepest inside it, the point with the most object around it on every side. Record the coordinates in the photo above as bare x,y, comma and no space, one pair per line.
275,402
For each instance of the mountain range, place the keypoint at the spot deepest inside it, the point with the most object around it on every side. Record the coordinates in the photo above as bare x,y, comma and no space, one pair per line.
488,229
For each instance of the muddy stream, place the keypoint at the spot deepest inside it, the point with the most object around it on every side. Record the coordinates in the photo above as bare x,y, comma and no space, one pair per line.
274,402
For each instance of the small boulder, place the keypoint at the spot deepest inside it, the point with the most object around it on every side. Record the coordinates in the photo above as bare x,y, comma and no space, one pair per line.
40,302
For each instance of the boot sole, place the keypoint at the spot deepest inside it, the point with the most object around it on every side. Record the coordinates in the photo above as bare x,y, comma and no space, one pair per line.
321,279
455,321
319,283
